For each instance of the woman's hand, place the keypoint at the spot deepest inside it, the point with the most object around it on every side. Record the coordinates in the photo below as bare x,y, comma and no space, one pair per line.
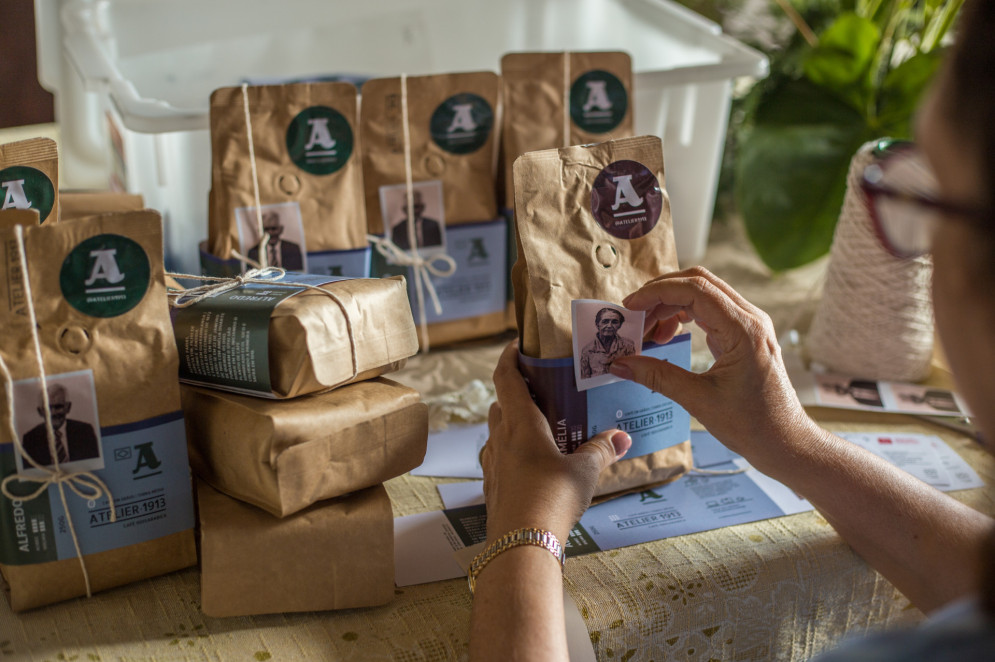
527,481
745,399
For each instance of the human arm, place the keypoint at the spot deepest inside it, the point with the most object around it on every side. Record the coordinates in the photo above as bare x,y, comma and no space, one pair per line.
920,539
518,605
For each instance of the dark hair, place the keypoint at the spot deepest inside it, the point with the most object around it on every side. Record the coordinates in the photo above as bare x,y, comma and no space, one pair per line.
597,318
969,89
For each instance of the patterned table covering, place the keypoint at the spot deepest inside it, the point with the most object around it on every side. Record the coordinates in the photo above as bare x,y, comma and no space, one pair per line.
780,589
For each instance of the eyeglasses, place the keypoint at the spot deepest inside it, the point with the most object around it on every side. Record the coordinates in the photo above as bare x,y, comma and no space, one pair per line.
903,195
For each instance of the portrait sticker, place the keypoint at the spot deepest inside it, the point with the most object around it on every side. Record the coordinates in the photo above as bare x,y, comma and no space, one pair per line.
462,123
319,140
72,403
626,199
24,187
603,332
105,276
428,216
598,101
282,222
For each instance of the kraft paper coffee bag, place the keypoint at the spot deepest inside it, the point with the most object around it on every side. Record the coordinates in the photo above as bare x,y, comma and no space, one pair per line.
554,100
29,176
110,368
337,554
283,456
593,222
278,338
440,132
305,144
79,204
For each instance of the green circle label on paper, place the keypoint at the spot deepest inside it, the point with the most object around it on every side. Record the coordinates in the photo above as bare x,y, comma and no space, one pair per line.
598,101
24,187
462,123
105,276
319,140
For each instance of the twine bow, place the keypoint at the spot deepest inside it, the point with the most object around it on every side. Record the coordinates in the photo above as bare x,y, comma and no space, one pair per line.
85,484
266,276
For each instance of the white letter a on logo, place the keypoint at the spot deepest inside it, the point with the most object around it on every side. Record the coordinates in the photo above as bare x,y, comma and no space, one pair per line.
625,193
320,135
14,195
462,119
597,96
104,267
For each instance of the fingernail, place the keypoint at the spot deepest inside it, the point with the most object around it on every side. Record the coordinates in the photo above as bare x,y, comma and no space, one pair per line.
622,442
620,370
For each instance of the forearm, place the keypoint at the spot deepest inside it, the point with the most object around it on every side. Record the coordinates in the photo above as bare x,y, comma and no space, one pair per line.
518,608
922,540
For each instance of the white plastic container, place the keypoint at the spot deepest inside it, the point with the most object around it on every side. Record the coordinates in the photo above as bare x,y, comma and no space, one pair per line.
149,67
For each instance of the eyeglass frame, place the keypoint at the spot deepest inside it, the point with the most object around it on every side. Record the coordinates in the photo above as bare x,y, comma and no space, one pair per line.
888,149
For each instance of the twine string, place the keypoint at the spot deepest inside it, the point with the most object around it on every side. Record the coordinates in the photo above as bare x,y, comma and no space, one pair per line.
263,235
84,484
423,268
187,297
566,98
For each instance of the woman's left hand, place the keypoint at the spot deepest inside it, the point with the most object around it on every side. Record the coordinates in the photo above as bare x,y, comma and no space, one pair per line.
527,481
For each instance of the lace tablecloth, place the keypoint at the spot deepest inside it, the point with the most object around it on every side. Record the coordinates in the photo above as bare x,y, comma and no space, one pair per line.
781,589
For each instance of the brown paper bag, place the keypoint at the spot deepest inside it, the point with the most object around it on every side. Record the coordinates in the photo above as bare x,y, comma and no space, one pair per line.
23,217
239,341
306,149
335,555
29,176
554,100
79,204
110,363
451,133
572,246
283,456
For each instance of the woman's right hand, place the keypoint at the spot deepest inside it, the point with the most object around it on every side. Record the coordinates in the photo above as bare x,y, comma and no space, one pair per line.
745,399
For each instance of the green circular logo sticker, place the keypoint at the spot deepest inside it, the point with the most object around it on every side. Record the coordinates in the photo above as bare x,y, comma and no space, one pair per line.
598,101
462,123
319,140
24,187
105,276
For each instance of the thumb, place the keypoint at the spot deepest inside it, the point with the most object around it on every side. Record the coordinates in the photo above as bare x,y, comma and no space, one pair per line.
663,377
605,448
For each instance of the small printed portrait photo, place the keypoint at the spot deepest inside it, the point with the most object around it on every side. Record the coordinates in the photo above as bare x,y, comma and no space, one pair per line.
72,404
603,332
426,221
925,399
282,224
838,391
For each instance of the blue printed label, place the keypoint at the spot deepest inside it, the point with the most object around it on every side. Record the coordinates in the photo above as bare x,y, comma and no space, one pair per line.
350,264
355,264
479,285
653,421
146,470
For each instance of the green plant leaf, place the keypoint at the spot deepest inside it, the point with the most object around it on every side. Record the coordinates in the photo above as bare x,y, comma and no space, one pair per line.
791,172
842,60
901,92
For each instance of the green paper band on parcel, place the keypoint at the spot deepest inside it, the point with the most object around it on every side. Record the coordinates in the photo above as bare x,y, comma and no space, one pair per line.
278,341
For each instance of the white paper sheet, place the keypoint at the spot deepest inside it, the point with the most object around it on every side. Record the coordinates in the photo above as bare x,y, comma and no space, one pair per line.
454,452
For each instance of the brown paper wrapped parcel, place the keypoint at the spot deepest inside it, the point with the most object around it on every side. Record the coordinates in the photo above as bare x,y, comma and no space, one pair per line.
565,252
337,554
110,363
285,455
283,342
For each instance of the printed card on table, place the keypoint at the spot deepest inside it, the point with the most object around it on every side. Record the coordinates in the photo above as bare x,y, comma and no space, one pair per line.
603,332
